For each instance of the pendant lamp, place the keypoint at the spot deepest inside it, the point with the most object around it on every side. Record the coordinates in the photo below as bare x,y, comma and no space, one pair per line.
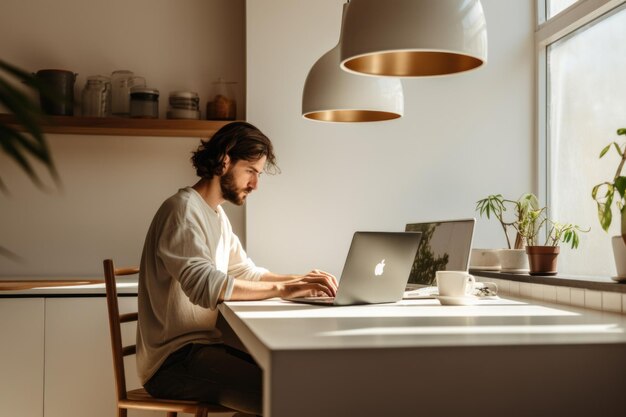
333,95
413,38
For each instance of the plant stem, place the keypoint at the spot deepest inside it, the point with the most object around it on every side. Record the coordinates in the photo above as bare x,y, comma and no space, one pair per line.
504,225
620,166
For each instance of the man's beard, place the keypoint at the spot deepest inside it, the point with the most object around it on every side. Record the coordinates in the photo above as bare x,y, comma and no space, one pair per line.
230,192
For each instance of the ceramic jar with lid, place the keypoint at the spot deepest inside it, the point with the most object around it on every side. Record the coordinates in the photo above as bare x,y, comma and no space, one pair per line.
184,105
144,102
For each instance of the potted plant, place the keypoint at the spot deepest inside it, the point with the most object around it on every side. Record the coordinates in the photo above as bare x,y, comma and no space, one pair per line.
18,145
604,195
28,146
542,257
513,216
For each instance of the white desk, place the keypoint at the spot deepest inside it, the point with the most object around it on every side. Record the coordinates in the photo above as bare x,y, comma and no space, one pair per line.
502,358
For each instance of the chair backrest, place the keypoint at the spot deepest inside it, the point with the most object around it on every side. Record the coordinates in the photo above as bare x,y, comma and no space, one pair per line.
115,320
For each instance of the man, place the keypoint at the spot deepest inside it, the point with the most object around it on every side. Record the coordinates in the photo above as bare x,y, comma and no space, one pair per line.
191,262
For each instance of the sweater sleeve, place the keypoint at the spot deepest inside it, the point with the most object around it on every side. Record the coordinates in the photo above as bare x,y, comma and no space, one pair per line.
240,266
186,257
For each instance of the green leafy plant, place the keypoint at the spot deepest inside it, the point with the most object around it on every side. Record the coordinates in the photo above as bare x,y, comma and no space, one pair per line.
604,193
556,232
27,143
517,218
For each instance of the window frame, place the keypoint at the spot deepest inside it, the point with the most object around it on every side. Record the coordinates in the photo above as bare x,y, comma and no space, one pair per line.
548,31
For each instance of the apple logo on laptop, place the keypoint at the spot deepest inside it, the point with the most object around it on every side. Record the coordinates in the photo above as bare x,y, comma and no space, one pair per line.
378,271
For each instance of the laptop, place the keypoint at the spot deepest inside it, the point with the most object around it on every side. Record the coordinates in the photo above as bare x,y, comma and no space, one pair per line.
445,245
376,269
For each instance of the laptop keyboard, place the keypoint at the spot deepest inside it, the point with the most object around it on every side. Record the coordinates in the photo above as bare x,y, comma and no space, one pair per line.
424,292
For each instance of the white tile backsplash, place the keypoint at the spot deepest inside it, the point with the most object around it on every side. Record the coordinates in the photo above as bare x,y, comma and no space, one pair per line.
612,301
593,299
525,289
549,293
504,286
536,291
577,297
563,295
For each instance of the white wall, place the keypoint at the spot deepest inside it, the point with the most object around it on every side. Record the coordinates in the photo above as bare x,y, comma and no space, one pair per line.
461,138
112,185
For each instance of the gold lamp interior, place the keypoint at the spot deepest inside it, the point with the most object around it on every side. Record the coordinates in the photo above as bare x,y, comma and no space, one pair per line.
412,63
351,116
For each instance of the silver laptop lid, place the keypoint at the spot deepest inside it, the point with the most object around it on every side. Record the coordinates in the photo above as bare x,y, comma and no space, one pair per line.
445,245
377,267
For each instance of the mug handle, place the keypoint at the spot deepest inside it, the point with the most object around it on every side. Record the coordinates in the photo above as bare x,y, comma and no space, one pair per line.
470,284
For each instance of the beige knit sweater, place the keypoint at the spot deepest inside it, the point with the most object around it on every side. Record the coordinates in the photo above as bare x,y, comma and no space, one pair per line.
189,255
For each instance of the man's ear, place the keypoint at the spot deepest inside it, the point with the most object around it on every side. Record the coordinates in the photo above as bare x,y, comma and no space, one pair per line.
224,167
226,163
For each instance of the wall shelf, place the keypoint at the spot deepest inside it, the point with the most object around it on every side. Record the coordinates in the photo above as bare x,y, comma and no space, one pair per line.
119,126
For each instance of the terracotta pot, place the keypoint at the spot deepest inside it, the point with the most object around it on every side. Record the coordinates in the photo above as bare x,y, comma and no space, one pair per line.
542,259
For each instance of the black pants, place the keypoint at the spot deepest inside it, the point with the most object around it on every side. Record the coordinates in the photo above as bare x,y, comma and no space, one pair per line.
218,374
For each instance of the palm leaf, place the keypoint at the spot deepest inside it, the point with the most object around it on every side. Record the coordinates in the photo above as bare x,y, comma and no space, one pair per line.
17,145
10,255
10,149
24,110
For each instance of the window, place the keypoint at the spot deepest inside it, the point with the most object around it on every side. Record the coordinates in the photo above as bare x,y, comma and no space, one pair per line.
555,7
581,106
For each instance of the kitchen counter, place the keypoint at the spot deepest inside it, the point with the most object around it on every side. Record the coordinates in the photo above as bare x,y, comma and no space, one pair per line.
60,287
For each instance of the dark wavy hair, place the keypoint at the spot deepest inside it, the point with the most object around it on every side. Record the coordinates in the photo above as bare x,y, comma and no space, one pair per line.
238,140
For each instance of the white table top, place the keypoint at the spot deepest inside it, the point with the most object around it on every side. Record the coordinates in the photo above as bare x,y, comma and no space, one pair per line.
278,325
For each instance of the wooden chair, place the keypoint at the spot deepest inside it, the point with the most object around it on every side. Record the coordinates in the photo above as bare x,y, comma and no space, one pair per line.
139,399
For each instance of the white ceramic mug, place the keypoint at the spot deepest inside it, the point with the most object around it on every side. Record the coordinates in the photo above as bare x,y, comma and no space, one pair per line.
455,283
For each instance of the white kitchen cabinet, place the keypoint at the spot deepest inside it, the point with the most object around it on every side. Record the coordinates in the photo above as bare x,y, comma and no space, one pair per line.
78,366
21,357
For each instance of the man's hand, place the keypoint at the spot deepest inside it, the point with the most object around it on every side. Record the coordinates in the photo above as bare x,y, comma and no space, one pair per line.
314,284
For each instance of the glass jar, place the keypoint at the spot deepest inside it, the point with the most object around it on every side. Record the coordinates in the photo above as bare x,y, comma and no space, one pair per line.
121,83
222,106
96,96
144,102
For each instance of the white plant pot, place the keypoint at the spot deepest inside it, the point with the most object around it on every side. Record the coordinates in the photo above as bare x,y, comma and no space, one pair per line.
513,261
485,259
619,253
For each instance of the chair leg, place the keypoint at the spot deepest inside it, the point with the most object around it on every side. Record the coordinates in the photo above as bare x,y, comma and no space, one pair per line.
121,412
201,412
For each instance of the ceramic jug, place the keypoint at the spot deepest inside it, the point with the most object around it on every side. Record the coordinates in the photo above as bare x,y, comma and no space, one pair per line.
57,97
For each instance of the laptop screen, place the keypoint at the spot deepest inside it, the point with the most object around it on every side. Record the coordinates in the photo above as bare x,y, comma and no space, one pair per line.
445,245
